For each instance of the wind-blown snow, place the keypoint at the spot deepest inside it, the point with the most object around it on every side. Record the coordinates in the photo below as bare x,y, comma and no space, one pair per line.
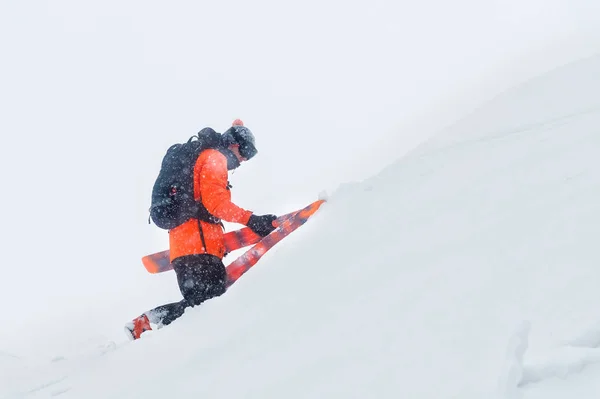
467,269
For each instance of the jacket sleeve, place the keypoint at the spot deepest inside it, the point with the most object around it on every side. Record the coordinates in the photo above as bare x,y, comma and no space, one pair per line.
215,195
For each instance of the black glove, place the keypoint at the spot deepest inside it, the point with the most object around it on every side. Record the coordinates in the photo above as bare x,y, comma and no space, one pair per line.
261,225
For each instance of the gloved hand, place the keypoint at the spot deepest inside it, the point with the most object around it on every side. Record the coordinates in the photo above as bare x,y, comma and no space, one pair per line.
262,225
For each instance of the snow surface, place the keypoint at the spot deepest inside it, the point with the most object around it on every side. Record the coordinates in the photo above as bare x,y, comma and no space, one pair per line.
467,269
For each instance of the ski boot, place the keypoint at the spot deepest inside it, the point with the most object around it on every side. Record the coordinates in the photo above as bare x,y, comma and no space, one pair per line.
137,326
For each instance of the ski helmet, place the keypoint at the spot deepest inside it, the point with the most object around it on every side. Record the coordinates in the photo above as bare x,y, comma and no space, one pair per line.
241,135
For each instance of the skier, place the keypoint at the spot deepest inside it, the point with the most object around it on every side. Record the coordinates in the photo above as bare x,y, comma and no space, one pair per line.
197,246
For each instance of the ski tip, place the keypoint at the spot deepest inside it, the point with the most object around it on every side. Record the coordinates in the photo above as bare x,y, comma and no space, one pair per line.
323,196
310,210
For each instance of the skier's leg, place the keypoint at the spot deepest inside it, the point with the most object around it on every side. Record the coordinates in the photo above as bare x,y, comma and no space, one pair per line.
160,316
165,314
200,277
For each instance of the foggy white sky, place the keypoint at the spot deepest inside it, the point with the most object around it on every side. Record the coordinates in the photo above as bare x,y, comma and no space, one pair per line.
92,93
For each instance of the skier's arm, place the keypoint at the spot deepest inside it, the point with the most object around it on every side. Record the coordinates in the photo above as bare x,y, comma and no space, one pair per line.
215,195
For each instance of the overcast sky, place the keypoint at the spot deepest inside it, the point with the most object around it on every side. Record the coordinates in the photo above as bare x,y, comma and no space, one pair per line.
93,92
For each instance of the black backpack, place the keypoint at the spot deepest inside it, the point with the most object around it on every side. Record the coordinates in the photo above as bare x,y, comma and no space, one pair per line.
173,193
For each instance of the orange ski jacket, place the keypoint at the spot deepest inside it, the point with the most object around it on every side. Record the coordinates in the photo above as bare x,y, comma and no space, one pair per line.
211,186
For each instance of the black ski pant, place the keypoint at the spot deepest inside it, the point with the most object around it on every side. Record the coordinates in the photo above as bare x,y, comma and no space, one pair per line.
200,277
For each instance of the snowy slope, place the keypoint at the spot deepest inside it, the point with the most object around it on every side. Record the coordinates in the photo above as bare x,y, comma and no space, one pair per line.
467,269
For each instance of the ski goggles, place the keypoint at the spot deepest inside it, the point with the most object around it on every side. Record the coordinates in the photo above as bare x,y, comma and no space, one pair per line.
244,137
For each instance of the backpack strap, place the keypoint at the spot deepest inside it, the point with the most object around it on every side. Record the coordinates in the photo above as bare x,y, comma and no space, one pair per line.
201,235
204,215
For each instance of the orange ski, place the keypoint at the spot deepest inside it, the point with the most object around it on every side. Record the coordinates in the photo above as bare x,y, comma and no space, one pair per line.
160,261
242,264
